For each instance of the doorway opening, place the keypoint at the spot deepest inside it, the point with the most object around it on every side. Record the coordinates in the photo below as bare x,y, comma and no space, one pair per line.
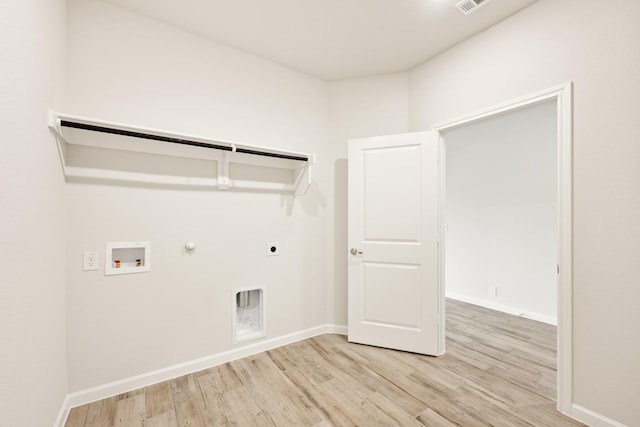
501,213
506,214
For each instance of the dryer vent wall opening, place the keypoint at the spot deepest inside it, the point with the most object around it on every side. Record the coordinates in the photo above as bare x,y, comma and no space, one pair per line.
248,315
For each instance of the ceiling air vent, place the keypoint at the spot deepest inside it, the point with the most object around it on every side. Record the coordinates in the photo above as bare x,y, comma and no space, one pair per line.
468,6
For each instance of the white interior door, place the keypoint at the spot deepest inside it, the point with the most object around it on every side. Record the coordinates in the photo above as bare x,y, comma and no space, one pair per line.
395,295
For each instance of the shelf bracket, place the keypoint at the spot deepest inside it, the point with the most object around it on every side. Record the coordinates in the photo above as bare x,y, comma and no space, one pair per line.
223,172
302,181
53,122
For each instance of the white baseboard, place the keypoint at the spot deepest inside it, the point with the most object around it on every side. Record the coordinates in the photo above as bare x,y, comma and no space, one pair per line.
591,418
504,308
83,397
337,329
61,419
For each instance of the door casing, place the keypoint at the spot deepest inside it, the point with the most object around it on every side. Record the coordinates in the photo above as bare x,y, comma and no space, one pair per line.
563,95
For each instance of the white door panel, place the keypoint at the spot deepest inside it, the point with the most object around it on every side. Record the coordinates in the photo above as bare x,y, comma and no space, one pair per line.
398,308
382,169
395,298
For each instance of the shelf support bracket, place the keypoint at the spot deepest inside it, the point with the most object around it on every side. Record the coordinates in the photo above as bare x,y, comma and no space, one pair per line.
54,126
302,181
223,172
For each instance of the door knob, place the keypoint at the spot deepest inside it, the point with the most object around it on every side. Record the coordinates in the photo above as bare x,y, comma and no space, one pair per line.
354,251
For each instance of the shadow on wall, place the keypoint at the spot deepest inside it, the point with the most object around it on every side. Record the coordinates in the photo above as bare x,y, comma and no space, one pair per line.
341,243
310,202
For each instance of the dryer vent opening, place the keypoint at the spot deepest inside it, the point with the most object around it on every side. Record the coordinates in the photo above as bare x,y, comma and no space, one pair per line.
248,315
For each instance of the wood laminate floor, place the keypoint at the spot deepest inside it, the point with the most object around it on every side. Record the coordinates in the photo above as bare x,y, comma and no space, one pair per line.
499,370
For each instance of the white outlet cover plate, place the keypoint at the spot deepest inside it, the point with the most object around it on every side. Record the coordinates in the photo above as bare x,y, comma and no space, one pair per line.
90,261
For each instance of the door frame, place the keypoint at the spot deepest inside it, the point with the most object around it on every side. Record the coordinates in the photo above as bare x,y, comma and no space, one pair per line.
563,95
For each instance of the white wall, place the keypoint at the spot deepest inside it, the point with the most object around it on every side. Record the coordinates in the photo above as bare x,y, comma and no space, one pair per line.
358,108
33,372
124,67
501,212
587,42
128,68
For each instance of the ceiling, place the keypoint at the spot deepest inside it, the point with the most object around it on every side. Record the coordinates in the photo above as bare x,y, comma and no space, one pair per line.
331,39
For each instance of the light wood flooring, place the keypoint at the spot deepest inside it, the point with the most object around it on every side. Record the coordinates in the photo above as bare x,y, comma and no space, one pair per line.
499,370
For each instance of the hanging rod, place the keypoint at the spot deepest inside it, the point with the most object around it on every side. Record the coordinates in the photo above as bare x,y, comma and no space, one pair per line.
135,134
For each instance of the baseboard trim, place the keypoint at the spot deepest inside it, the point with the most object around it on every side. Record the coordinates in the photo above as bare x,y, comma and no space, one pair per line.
61,419
592,418
337,329
504,308
89,395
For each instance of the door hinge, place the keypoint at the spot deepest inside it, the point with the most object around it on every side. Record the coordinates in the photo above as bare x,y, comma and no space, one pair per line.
558,268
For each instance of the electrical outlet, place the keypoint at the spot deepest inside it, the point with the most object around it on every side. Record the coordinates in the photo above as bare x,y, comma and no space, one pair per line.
90,261
273,249
493,291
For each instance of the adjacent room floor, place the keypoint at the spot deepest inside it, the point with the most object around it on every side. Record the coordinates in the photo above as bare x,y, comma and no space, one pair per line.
499,370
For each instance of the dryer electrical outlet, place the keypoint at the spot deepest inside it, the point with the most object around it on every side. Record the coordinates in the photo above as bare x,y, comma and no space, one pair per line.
273,249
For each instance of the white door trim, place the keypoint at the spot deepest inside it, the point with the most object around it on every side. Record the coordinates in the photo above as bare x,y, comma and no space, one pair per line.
563,95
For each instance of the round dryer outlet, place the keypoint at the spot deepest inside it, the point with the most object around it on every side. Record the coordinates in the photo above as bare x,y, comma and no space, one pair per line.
273,249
